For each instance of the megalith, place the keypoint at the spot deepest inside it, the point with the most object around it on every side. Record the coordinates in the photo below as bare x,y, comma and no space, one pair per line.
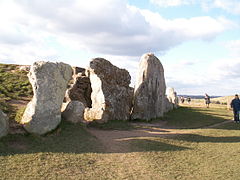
80,88
111,95
4,124
149,93
49,81
172,97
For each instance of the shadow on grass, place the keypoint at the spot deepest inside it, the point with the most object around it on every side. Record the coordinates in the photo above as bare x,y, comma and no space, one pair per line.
72,138
144,145
200,138
68,138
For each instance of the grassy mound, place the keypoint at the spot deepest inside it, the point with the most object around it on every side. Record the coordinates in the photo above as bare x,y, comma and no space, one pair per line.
14,85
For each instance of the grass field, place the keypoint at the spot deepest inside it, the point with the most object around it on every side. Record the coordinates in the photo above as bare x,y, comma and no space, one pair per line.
196,151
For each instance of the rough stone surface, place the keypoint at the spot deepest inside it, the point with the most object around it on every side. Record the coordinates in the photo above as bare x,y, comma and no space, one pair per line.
172,97
149,92
4,125
111,95
74,112
80,88
49,81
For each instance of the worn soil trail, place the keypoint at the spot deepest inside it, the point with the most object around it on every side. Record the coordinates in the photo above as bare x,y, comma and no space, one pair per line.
117,141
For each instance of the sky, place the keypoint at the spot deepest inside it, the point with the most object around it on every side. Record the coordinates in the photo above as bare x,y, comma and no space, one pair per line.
197,41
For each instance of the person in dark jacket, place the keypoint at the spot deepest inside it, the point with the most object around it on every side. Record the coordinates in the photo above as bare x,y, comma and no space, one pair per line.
235,104
207,100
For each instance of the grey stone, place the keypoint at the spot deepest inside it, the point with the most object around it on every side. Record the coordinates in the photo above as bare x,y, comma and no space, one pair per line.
111,95
74,112
150,88
49,81
80,88
4,124
172,98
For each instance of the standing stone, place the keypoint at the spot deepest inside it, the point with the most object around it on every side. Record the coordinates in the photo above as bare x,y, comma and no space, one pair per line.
111,95
149,92
229,100
49,81
74,112
80,89
4,124
172,97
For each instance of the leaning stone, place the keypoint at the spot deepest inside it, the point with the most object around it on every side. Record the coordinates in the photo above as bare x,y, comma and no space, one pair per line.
4,124
149,92
111,95
49,81
74,112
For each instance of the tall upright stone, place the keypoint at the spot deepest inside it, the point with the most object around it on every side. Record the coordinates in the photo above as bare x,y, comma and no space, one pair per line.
172,97
111,95
4,124
150,87
49,81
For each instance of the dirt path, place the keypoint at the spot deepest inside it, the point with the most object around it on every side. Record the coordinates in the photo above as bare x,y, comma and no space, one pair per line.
116,141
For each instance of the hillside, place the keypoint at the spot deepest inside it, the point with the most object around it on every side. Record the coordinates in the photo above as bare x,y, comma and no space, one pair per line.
15,91
224,99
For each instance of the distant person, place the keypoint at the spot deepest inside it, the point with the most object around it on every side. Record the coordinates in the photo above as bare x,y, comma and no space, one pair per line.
235,105
182,99
188,100
207,100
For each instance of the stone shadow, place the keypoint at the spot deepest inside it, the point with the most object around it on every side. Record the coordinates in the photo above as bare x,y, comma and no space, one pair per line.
73,138
199,138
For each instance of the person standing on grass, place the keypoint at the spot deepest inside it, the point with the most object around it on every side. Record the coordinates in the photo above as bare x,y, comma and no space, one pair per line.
235,105
182,99
188,99
207,100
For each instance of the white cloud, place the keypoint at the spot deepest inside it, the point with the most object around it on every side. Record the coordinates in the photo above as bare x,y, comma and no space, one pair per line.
167,3
231,6
110,27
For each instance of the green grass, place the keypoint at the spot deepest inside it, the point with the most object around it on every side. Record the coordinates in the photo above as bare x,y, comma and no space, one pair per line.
196,117
71,152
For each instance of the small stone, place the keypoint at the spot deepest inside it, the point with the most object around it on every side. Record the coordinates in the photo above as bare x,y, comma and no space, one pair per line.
74,112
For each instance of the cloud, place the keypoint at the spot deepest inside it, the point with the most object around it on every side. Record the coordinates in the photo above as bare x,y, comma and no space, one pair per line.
231,6
112,26
167,3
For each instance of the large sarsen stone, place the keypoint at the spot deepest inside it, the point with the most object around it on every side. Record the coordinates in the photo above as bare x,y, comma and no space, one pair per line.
49,81
149,93
111,95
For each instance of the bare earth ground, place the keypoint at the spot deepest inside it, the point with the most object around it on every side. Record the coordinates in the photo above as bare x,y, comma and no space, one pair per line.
17,104
116,141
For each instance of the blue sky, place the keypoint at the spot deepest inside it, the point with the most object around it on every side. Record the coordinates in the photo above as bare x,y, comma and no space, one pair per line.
197,41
